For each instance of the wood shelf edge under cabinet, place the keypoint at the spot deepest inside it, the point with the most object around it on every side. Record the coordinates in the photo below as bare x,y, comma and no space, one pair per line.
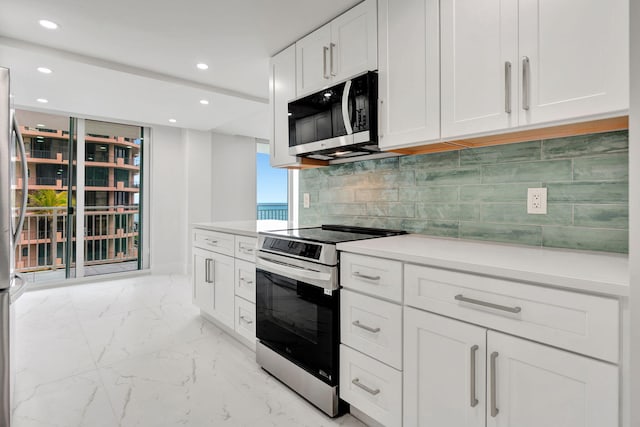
308,164
559,131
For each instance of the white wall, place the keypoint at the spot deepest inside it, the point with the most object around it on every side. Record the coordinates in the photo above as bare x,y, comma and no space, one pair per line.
633,376
199,175
233,195
168,201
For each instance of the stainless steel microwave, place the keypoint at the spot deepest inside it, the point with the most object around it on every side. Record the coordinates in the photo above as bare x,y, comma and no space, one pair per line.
338,122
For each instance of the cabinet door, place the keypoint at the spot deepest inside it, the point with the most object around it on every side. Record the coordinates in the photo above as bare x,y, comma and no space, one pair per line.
409,73
222,276
578,58
202,286
282,89
312,61
536,385
353,48
440,385
479,40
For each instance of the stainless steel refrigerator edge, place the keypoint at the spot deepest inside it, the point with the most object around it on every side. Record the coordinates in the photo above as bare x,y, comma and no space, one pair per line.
11,286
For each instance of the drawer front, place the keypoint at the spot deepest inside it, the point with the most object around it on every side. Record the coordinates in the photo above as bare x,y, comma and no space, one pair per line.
246,248
371,386
245,319
245,279
578,322
221,243
372,326
374,276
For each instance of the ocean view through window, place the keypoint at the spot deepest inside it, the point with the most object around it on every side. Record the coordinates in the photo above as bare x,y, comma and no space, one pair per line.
271,188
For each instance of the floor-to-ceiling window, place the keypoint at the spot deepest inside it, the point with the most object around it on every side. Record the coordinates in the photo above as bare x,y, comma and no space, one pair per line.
272,187
93,225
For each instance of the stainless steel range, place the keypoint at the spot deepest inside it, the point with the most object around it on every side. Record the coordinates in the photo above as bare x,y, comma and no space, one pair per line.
298,308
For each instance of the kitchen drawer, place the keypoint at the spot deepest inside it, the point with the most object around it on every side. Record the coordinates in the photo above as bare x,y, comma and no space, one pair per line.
374,276
245,319
578,322
245,280
371,386
372,326
221,243
246,248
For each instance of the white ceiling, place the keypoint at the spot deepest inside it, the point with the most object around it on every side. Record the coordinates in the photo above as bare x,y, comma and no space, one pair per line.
134,61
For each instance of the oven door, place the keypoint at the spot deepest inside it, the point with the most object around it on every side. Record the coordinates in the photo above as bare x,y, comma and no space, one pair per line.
297,309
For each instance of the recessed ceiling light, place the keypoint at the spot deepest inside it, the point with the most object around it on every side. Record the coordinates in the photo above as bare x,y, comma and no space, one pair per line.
45,70
49,25
39,125
172,120
42,100
204,102
202,66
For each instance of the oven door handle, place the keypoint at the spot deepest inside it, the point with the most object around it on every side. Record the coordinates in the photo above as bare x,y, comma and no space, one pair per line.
318,278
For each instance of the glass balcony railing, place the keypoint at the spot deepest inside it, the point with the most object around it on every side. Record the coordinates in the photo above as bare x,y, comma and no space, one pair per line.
111,237
278,211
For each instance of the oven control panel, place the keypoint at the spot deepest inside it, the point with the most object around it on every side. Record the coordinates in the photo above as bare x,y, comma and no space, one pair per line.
291,247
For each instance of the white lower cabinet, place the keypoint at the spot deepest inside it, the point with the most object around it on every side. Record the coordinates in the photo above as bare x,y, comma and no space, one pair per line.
527,384
371,386
202,289
223,285
245,320
536,385
444,371
221,269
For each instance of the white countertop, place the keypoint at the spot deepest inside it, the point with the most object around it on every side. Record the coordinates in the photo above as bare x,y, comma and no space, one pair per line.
244,228
586,271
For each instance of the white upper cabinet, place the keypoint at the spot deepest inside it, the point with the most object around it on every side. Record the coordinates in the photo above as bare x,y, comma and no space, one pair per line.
509,63
312,61
479,65
353,47
578,54
282,88
339,50
409,72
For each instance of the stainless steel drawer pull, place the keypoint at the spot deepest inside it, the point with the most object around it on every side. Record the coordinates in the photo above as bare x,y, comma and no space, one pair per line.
248,282
246,249
526,82
208,264
331,47
365,327
364,276
357,383
325,49
246,320
492,391
211,241
462,298
507,87
473,400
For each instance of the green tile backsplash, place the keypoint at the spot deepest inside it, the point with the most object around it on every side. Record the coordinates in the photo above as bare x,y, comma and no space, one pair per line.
481,193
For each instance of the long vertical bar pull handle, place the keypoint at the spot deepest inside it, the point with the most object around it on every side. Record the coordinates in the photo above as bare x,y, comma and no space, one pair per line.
472,393
526,82
507,87
331,49
492,391
324,62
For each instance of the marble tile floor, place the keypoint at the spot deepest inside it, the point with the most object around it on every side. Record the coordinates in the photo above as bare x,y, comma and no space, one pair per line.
135,352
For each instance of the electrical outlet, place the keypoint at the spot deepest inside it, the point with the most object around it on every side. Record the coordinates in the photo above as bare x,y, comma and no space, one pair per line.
537,201
305,200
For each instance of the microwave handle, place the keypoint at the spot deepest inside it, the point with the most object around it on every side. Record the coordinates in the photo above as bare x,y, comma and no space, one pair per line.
345,108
